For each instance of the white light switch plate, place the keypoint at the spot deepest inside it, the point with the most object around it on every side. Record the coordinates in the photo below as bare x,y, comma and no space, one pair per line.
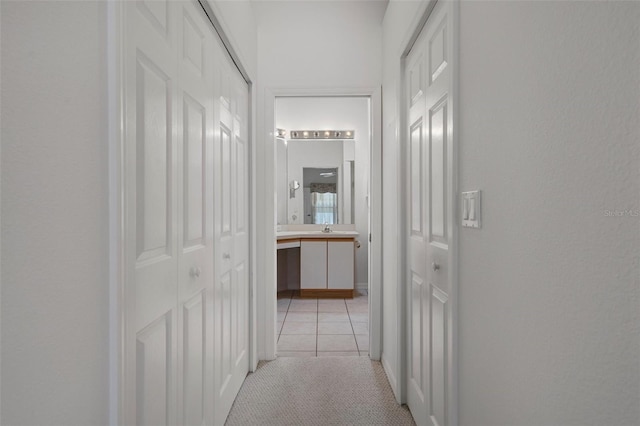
471,209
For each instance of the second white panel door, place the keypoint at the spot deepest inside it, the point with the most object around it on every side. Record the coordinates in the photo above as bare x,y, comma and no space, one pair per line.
430,219
232,234
196,216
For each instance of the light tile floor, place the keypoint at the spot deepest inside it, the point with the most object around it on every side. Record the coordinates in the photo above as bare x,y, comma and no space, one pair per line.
322,327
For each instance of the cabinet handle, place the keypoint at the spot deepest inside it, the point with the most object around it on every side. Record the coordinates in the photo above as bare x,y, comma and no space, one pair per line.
226,256
194,272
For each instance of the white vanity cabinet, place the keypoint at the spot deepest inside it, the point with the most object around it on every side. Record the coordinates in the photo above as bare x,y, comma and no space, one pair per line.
340,268
327,267
313,264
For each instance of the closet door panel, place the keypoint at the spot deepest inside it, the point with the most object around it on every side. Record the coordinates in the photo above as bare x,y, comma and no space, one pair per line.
186,182
196,215
151,208
232,236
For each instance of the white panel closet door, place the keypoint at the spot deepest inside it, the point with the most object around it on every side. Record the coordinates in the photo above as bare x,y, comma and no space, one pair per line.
232,236
186,201
417,236
430,176
151,210
195,216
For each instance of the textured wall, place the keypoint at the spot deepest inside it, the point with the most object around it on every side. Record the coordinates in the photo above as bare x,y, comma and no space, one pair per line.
54,214
319,44
549,130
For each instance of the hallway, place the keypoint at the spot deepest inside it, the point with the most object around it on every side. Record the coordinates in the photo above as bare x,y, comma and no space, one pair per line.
544,318
341,390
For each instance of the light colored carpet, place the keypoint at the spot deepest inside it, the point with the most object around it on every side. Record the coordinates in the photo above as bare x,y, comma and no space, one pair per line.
318,391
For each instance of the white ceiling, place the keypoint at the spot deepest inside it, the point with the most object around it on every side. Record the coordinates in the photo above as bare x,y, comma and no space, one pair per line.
269,11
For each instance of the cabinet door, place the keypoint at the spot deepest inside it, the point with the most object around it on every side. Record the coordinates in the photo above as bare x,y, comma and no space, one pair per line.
313,264
340,259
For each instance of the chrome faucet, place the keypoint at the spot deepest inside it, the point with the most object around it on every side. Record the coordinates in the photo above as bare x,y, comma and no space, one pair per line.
326,228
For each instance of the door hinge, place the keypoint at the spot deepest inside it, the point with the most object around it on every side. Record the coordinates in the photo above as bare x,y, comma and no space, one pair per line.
369,237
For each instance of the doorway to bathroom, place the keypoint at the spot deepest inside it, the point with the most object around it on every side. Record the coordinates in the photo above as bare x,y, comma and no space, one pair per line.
322,174
326,175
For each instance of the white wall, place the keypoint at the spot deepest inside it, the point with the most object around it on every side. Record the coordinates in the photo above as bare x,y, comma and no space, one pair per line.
335,113
54,214
549,287
319,44
282,181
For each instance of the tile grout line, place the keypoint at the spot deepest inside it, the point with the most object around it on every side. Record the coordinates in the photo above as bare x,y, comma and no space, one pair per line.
283,320
316,352
317,321
351,324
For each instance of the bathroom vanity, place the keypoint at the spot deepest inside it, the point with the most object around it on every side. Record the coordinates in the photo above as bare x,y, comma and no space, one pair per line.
326,266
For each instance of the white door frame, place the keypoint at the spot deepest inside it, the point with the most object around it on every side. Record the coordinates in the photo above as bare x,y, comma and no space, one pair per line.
117,226
416,27
266,228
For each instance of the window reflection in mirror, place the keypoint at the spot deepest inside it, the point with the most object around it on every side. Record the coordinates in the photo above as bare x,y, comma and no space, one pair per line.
320,186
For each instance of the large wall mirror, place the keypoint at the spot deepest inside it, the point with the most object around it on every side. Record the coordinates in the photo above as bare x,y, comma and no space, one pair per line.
315,181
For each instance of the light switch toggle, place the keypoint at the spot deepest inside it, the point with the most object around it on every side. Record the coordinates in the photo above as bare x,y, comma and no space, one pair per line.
471,209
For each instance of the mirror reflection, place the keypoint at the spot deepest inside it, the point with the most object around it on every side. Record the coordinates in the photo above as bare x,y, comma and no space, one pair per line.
316,185
320,195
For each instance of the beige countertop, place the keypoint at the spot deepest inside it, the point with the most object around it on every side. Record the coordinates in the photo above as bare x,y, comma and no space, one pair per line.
284,235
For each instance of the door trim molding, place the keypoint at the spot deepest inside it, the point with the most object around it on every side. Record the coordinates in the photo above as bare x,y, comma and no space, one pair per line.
267,291
117,247
402,112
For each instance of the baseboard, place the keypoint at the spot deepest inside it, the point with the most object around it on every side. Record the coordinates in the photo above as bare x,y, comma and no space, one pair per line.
390,376
327,293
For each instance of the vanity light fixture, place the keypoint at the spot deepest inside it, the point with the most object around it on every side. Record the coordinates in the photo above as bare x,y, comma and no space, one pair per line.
281,133
322,134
